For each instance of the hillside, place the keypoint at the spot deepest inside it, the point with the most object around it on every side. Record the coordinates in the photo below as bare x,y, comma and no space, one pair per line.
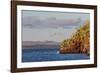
79,41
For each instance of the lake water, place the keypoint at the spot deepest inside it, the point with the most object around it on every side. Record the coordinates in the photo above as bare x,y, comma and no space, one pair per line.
45,54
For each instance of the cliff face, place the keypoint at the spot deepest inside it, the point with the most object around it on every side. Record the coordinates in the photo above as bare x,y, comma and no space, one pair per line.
79,42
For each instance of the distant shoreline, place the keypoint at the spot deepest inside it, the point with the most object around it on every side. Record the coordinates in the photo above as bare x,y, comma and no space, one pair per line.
39,46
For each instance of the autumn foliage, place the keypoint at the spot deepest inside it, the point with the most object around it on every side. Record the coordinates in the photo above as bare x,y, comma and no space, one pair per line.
79,42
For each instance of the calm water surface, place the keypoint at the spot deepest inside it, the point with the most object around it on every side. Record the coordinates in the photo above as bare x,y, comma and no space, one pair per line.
49,54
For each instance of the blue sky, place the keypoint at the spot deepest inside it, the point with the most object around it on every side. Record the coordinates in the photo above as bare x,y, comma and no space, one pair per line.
50,26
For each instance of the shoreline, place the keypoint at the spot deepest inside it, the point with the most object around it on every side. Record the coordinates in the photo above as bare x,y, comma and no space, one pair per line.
60,52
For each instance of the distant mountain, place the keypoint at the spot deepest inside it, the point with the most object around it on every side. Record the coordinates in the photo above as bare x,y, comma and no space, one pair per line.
28,43
40,44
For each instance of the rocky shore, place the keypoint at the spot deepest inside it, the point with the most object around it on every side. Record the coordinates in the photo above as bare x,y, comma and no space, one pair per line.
79,42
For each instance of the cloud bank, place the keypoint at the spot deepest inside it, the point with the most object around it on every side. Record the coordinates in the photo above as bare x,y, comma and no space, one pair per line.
32,22
40,19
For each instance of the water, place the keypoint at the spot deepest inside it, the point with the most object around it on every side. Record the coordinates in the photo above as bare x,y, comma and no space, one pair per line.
45,54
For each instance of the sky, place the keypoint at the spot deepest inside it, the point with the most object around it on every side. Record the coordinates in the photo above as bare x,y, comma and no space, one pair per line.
50,25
